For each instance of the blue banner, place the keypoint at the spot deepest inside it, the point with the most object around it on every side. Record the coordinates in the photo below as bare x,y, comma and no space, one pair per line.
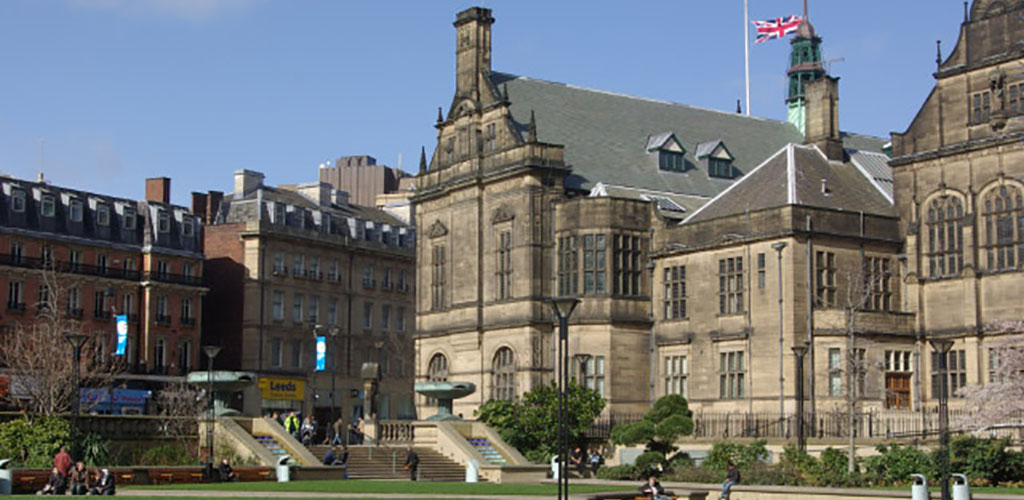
321,353
122,334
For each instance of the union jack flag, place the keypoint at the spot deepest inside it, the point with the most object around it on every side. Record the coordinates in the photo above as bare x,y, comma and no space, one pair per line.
778,28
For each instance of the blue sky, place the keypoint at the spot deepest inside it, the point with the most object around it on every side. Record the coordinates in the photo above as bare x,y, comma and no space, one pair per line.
101,94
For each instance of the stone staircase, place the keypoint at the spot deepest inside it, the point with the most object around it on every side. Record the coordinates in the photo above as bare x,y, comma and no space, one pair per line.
271,445
486,449
386,463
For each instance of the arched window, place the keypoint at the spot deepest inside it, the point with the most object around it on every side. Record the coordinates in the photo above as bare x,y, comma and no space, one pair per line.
1004,226
945,236
437,371
503,375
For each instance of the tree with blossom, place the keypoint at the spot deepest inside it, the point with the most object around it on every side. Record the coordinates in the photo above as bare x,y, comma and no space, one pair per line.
1001,400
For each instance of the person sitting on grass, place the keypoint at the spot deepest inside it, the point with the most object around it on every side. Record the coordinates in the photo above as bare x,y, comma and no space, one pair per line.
55,485
653,489
105,485
732,477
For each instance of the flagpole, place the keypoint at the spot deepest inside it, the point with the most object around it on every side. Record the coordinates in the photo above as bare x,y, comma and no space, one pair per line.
746,50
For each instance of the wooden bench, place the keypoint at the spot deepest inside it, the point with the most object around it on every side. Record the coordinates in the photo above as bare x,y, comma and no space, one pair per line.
29,480
635,495
254,473
159,475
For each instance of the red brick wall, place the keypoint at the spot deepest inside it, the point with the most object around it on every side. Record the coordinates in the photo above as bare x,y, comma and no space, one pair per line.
224,304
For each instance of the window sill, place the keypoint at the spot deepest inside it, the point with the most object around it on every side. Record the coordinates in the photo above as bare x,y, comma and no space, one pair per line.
731,315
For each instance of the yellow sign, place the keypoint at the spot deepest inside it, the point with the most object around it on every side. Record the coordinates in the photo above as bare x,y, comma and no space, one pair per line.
283,388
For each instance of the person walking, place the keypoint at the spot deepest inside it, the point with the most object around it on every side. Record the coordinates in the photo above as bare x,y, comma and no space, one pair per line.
732,478
412,463
291,425
307,431
339,431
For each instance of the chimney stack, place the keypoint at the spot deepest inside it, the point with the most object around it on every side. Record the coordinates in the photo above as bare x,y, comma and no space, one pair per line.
473,50
822,125
158,189
246,181
199,202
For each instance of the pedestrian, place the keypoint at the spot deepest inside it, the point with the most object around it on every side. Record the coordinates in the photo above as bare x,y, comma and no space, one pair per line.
105,485
79,479
56,485
62,461
291,425
732,478
412,463
653,489
339,429
307,431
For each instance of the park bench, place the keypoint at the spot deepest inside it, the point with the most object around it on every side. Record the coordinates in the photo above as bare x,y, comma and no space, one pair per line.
635,495
254,473
171,475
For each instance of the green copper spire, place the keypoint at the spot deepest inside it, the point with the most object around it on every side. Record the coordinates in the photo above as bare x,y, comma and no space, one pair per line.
805,66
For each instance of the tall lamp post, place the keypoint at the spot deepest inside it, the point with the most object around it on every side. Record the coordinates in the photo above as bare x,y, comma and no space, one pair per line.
563,308
77,340
942,347
782,378
211,352
333,331
800,351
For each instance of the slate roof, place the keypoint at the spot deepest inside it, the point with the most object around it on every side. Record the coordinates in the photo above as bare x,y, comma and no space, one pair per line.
800,175
606,134
875,166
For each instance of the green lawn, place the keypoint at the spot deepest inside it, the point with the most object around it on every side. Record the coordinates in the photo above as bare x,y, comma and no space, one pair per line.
376,486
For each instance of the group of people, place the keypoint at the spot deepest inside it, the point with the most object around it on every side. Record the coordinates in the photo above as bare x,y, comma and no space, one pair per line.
653,489
306,429
72,477
583,460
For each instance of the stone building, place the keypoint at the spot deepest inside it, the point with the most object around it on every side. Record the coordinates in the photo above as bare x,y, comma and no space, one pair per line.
289,263
674,225
109,256
957,172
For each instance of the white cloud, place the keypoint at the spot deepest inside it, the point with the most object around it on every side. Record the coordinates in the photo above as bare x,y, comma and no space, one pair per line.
190,10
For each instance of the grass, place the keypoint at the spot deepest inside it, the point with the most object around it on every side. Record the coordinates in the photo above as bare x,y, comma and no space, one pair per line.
395,487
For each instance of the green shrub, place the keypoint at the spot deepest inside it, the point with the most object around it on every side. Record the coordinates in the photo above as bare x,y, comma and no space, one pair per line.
894,465
761,473
695,475
725,452
33,443
94,449
166,455
669,419
650,462
619,472
982,459
833,469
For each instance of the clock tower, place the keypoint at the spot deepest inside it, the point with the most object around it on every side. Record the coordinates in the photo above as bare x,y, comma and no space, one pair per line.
805,66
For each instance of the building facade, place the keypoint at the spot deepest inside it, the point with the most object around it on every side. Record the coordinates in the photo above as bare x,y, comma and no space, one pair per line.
705,246
362,178
291,263
102,256
957,171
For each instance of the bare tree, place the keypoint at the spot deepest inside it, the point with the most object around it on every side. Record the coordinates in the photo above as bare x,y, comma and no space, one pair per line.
1002,398
180,406
859,293
38,357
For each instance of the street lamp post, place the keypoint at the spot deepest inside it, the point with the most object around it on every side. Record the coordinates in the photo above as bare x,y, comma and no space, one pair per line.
782,378
801,440
211,352
942,347
77,340
563,308
334,370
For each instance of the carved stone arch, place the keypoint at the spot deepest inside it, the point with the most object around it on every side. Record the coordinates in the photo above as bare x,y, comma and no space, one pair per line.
504,367
503,213
941,243
1000,224
437,229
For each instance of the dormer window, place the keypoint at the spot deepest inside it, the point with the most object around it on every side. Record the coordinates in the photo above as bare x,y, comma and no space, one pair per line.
17,201
47,205
279,213
103,215
671,160
671,153
163,223
129,218
718,167
187,227
717,158
76,210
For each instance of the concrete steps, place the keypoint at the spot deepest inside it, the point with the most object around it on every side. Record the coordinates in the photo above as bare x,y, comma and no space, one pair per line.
484,446
386,463
270,444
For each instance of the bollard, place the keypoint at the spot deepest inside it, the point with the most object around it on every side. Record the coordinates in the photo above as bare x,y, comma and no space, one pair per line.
472,471
919,488
554,467
283,473
5,477
961,490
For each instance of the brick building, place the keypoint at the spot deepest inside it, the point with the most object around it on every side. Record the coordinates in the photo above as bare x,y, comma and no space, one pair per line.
112,256
289,263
